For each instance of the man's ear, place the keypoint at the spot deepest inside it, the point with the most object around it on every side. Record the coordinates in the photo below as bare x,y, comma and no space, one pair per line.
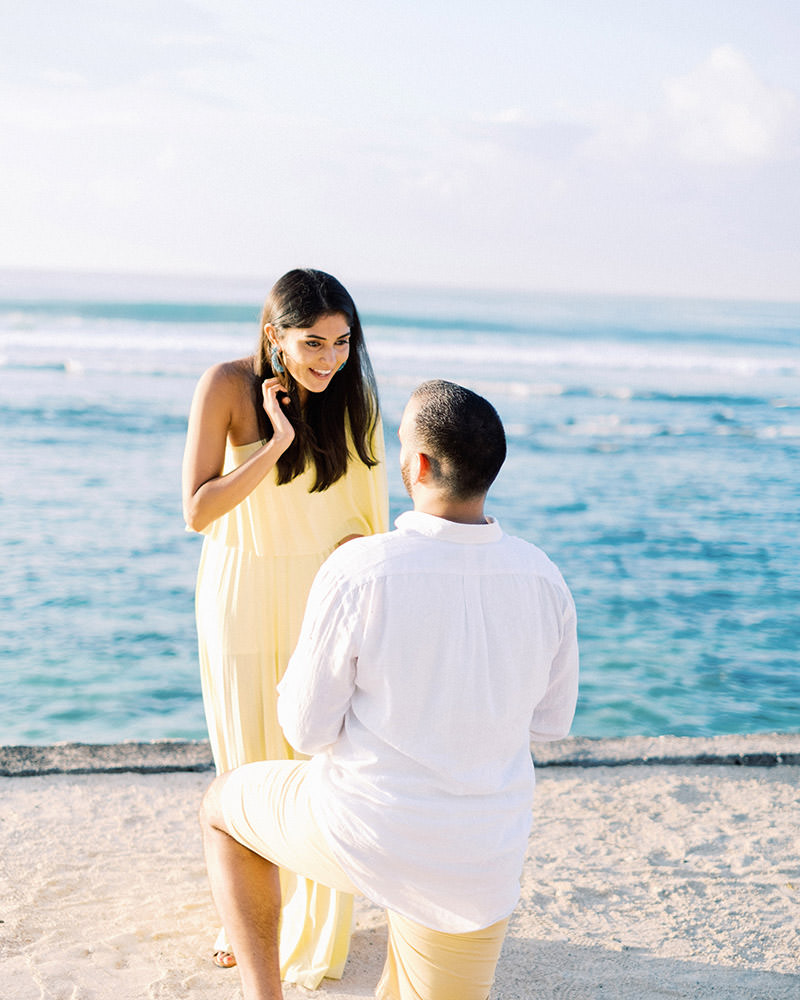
424,471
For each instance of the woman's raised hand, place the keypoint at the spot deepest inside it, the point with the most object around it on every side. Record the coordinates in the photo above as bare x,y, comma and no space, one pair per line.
274,394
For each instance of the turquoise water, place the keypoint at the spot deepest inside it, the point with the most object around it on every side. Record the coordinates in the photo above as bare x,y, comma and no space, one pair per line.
653,455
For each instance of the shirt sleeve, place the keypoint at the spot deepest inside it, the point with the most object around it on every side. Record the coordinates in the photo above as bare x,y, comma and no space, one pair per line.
553,715
316,690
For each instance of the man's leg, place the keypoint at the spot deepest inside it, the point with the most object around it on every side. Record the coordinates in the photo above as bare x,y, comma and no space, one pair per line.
247,895
423,964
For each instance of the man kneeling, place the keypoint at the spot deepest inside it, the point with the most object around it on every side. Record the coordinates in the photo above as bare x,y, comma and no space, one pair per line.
428,659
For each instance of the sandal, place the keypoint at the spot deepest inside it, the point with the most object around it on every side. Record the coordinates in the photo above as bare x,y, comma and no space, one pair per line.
224,959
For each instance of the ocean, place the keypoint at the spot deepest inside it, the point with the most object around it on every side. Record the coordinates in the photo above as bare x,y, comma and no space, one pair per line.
654,449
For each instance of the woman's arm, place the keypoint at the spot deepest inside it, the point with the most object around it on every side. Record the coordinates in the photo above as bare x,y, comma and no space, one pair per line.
207,494
347,538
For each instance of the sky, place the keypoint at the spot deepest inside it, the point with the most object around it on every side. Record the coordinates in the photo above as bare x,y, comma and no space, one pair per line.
627,146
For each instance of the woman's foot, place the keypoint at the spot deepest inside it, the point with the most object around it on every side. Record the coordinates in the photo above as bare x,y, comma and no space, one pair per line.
224,959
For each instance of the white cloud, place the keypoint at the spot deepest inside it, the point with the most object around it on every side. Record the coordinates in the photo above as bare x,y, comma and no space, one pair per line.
506,116
722,112
619,135
64,78
186,41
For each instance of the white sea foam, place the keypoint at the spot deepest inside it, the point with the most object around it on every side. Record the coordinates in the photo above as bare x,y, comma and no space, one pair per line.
780,431
522,363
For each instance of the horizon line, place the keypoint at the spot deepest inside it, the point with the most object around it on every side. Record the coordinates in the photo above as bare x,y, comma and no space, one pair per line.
227,282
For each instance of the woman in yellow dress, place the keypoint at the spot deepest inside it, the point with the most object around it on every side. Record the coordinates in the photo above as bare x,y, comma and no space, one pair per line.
284,461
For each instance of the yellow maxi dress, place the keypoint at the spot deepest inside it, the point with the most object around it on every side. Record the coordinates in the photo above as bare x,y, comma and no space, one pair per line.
256,568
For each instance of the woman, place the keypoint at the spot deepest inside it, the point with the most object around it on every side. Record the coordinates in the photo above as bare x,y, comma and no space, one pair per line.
283,463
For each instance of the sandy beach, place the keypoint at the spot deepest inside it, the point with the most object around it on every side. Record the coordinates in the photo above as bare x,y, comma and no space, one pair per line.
656,868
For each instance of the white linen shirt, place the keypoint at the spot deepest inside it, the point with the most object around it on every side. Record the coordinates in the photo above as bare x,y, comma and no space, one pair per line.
429,657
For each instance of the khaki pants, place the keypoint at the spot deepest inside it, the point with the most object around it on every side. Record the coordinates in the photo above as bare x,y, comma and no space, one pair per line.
422,964
267,808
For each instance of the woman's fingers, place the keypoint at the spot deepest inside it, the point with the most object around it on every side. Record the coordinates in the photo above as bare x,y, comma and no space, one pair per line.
272,390
274,395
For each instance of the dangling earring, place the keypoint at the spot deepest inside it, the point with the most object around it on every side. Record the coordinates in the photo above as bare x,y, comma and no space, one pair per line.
277,367
341,366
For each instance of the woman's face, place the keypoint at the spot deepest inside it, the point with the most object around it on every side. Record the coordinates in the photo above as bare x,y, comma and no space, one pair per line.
314,354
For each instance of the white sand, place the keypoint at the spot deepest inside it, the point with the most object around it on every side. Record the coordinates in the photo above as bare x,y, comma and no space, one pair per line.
642,881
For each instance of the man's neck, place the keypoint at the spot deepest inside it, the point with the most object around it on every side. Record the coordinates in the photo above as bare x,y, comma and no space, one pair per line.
461,512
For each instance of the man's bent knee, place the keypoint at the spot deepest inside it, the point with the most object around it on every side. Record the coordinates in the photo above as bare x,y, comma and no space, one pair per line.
211,815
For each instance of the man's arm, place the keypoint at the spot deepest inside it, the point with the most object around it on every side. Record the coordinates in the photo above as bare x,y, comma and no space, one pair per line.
553,716
316,690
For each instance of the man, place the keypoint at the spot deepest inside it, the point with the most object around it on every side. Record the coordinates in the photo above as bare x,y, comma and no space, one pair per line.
428,659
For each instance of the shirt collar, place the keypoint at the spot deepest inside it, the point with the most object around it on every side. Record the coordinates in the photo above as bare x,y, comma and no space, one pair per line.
449,531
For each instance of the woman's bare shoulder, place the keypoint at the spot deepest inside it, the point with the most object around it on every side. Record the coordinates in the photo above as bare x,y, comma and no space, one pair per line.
228,377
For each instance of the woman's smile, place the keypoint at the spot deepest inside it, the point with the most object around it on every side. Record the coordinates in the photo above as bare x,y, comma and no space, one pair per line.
314,355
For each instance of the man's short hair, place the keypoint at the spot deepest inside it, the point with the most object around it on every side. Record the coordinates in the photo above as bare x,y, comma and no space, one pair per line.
462,436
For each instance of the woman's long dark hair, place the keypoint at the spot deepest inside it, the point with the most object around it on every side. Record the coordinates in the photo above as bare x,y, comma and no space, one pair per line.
298,300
